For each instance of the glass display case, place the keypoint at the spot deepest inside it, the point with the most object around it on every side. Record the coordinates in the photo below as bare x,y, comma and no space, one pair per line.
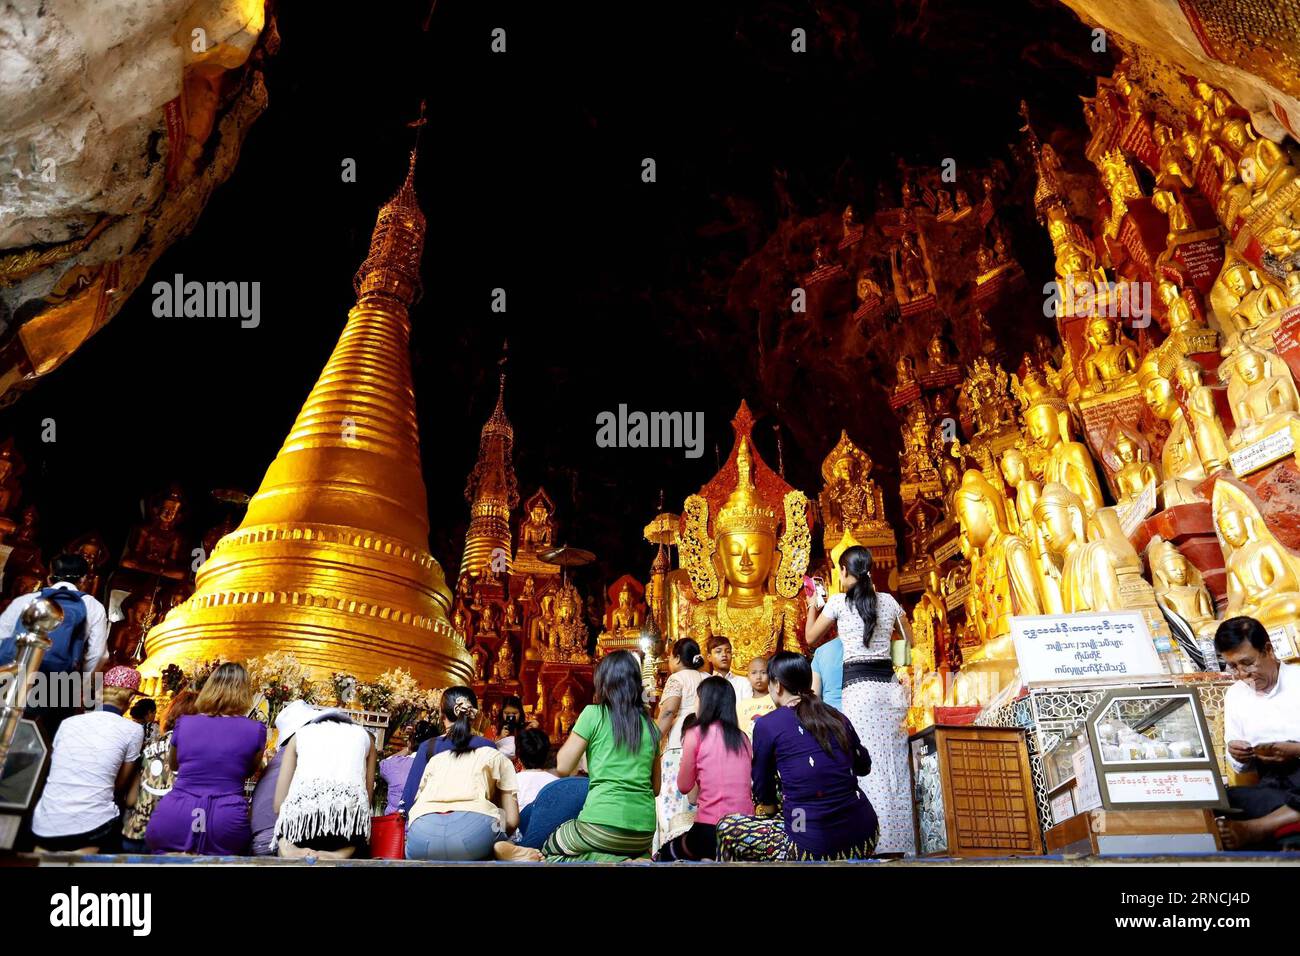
1152,747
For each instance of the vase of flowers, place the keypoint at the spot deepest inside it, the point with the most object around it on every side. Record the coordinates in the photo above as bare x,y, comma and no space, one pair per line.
279,678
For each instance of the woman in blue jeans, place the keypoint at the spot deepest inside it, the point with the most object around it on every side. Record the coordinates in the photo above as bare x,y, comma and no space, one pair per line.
466,797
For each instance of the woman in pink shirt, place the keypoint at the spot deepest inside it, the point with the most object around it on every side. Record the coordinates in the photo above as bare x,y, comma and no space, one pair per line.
717,759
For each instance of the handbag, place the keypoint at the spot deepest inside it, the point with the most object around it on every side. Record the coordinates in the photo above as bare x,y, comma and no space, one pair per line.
388,837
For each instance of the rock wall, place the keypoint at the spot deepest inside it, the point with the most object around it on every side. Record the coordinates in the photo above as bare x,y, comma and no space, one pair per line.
117,120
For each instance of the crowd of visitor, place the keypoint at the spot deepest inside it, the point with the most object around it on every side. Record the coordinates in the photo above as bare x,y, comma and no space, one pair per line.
797,759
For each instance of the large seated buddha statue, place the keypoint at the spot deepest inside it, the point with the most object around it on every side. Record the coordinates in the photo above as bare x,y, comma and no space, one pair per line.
745,581
1263,575
1065,461
158,547
1182,466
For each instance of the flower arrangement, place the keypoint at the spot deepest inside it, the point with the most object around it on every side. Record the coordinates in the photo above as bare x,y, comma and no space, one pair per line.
397,693
344,687
173,679
200,671
280,678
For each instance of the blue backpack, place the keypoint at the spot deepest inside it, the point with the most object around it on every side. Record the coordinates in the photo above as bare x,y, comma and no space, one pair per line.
67,641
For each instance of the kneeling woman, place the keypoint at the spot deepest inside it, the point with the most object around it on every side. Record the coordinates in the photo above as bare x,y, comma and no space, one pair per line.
621,742
814,749
325,787
467,795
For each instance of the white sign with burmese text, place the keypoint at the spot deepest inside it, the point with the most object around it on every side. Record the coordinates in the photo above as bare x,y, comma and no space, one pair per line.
1263,452
1154,786
1056,647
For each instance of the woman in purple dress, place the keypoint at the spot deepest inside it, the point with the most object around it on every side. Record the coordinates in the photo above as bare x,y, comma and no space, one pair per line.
213,752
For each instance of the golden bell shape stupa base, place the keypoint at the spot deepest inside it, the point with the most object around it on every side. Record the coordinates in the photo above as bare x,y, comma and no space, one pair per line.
331,561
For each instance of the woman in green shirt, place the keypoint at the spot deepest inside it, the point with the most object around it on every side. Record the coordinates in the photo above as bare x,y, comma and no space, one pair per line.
621,743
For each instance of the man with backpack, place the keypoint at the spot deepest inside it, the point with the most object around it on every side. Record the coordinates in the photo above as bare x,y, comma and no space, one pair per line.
78,646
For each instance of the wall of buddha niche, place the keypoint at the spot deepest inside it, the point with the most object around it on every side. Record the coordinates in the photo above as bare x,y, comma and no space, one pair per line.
138,575
1147,461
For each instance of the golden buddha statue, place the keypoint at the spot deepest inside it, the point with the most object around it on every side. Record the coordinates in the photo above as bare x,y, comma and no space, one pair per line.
540,627
1271,170
1180,461
158,548
1089,578
95,551
481,657
1135,593
937,354
626,615
1242,301
1110,360
10,490
538,531
912,269
1261,392
868,288
1203,416
566,718
906,370
851,503
1067,461
529,591
1180,588
1018,475
1263,575
568,633
1131,464
503,671
1003,577
24,571
487,622
1121,185
1172,160
744,547
930,636
1193,335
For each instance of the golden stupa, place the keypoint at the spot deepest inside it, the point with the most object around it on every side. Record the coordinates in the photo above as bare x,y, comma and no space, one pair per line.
492,493
331,561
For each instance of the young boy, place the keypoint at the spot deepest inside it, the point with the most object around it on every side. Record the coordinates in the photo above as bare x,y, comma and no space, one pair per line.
534,753
719,651
749,710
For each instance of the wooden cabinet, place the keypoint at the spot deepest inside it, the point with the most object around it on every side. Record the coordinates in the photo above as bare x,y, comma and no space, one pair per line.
973,794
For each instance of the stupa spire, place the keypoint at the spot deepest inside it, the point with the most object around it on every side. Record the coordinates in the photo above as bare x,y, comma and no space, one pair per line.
331,561
492,491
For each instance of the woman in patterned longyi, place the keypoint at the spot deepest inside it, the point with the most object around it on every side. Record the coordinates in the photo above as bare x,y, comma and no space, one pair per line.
873,698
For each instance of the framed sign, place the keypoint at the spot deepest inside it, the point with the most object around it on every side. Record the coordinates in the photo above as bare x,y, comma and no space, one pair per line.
1063,647
1151,747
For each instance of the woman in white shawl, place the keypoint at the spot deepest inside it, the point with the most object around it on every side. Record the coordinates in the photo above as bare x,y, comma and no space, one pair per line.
326,786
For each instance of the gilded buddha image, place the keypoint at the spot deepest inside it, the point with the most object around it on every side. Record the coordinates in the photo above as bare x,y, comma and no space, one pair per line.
744,579
1263,574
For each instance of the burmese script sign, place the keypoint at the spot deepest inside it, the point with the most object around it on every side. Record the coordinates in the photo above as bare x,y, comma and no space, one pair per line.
1056,647
1156,786
1141,508
1264,452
